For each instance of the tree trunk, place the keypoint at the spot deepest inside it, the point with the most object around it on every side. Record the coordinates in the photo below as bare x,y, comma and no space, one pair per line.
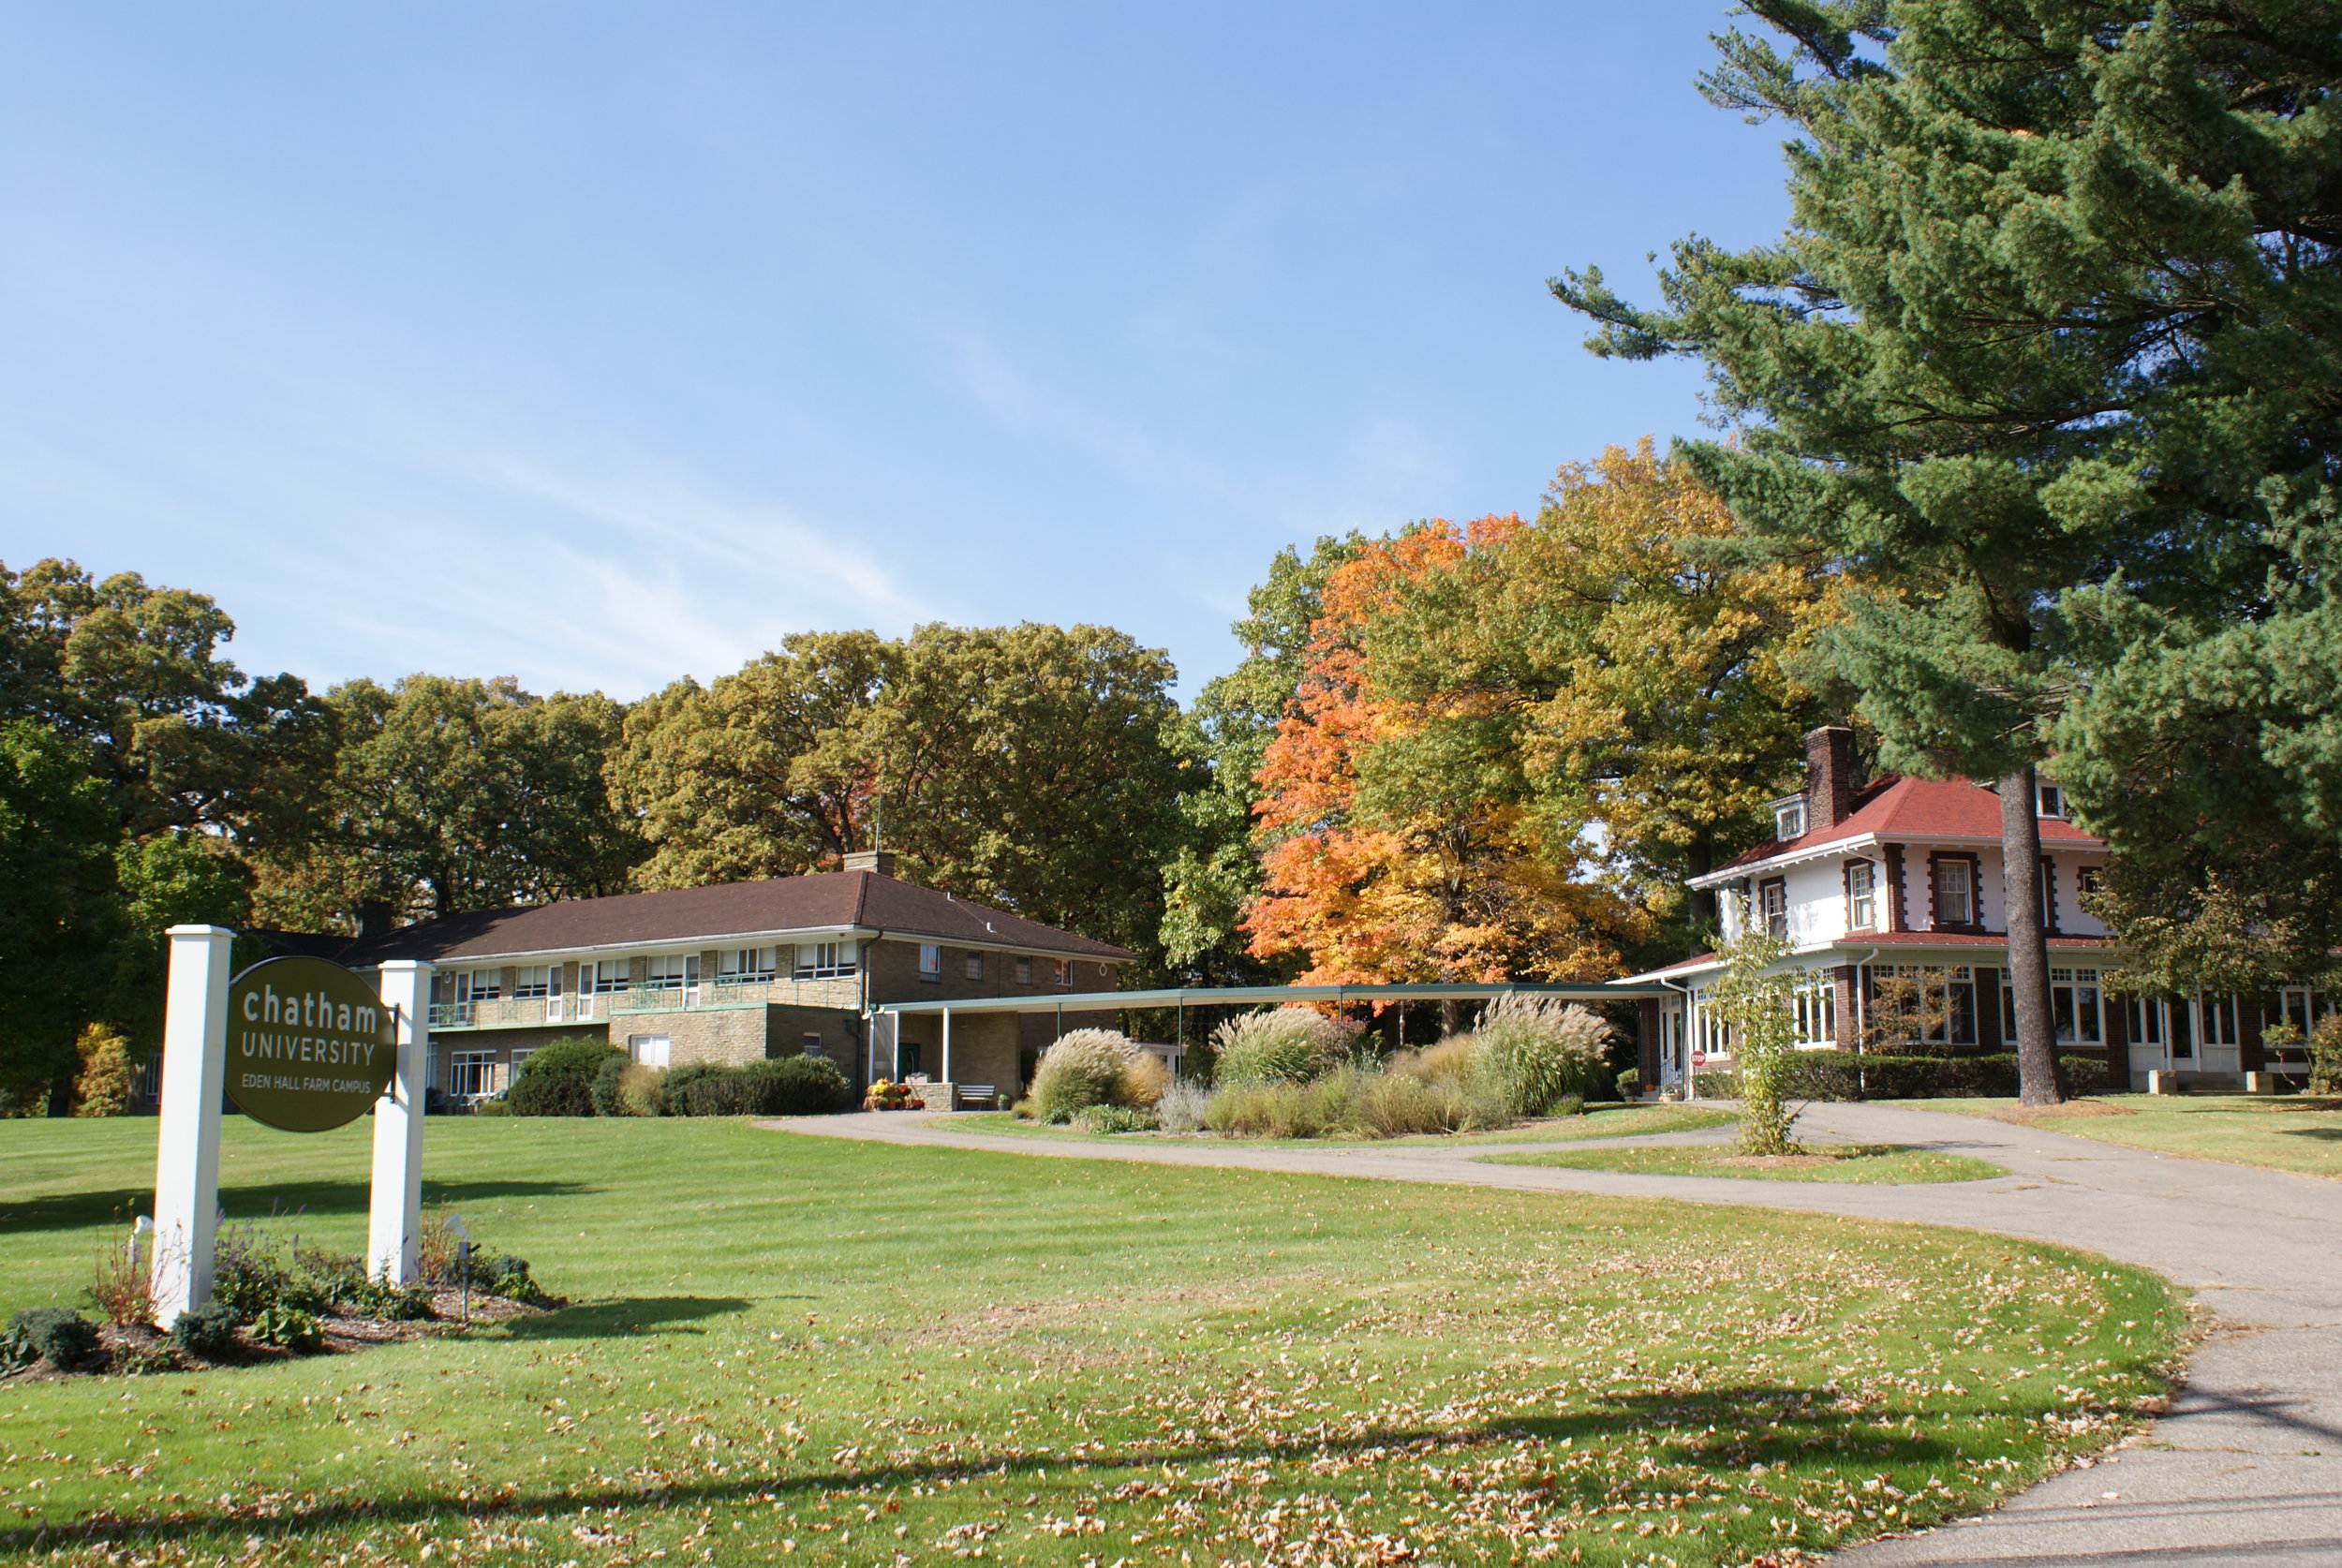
2028,944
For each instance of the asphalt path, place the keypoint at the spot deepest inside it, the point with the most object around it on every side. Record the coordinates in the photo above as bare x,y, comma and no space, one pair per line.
2246,1468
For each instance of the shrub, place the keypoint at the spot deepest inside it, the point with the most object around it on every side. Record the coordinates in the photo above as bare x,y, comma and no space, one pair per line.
1630,1084
642,1092
604,1092
102,1087
1083,1069
1288,1045
558,1080
250,1277
703,1089
1116,1118
1182,1106
122,1287
1402,1105
495,1106
2325,1055
506,1275
1532,1051
289,1328
1845,1075
57,1334
207,1332
799,1085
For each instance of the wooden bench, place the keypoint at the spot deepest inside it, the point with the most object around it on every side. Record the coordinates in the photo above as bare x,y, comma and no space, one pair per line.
970,1094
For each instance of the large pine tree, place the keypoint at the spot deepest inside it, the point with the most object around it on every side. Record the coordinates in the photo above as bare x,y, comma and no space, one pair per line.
2049,341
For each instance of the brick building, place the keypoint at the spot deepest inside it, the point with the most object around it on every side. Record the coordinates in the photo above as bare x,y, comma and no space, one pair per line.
742,971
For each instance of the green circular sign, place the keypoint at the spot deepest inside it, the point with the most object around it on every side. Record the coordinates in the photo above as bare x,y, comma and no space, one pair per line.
310,1046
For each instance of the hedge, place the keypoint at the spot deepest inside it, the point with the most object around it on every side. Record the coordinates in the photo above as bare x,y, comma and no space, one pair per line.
558,1080
1846,1075
799,1085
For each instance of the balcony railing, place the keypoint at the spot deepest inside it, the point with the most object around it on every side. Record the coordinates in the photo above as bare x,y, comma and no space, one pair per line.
507,1013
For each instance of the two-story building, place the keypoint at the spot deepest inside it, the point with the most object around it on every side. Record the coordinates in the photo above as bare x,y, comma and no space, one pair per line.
741,971
1889,893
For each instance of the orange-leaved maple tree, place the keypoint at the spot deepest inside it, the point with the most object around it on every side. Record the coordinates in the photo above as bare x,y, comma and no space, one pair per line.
1448,889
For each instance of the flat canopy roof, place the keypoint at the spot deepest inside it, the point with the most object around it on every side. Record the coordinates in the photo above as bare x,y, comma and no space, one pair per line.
1219,995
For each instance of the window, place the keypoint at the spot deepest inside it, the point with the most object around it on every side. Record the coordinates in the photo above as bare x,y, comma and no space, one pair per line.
1911,1003
975,965
2086,880
1064,975
832,960
672,971
906,1059
1861,896
2052,800
1773,907
1789,818
539,980
1024,971
477,986
609,974
470,1072
2219,1020
2049,894
1955,893
811,1044
1818,1011
519,1056
2077,1015
2302,1006
649,1050
930,961
747,966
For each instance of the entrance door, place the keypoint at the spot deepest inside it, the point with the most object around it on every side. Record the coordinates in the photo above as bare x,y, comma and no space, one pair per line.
2162,1035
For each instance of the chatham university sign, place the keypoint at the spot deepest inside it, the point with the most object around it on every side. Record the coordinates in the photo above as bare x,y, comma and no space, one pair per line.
310,1046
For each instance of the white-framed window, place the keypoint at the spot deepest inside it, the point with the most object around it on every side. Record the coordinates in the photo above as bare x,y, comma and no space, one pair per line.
519,1056
930,961
1789,818
1861,896
1817,1010
1931,1003
671,971
478,985
2220,1016
1064,976
810,1043
649,1050
2302,1006
1773,907
830,961
2077,1007
2086,879
975,966
471,1073
605,976
1024,971
537,980
1955,893
2052,800
748,965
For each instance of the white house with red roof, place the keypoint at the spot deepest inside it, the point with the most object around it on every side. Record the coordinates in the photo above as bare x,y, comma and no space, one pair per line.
1894,887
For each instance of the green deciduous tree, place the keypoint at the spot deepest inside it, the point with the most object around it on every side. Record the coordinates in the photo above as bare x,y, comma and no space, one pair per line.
59,915
2056,304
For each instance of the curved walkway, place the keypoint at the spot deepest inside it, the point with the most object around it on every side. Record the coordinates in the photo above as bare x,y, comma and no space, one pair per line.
2246,1470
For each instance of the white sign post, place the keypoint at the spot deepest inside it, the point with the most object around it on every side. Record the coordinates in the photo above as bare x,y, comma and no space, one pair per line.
396,1225
186,1157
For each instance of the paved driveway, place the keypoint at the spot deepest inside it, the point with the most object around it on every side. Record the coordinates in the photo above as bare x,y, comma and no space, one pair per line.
2246,1468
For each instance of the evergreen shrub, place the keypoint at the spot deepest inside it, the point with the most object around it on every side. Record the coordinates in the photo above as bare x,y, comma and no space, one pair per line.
558,1080
207,1332
799,1085
57,1334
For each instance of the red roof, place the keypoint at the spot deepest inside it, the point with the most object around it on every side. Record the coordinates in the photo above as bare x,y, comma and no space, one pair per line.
1897,808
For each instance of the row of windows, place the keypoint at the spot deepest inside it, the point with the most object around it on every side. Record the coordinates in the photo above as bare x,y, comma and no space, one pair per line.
663,971
974,967
1958,901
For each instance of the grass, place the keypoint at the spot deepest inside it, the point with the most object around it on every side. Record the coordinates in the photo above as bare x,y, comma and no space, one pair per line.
787,1349
2284,1133
1852,1162
1599,1121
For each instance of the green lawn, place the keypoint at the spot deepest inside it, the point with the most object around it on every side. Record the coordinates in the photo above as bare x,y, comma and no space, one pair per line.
1599,1121
1857,1164
787,1347
2286,1132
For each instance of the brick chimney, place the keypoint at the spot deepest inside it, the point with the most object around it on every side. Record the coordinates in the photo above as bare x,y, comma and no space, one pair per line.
1829,776
880,861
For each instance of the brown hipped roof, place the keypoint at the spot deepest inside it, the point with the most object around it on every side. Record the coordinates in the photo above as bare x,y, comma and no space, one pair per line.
836,901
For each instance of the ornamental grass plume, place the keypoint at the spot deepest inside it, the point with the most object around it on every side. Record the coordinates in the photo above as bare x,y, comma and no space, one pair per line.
1144,1079
1287,1046
1530,1053
1086,1068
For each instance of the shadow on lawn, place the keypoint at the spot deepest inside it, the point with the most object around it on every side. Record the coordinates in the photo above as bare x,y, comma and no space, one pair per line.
1802,1425
66,1211
614,1320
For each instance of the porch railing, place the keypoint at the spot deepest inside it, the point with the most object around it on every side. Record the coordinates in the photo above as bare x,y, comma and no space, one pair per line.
507,1013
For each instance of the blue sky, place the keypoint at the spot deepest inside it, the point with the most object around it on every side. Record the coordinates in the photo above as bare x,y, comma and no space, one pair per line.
603,343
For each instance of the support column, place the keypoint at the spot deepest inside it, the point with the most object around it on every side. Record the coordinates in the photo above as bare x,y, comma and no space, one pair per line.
186,1148
394,1224
946,1064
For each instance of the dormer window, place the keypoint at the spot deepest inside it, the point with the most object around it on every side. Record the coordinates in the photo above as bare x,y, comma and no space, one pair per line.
1789,818
2052,800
